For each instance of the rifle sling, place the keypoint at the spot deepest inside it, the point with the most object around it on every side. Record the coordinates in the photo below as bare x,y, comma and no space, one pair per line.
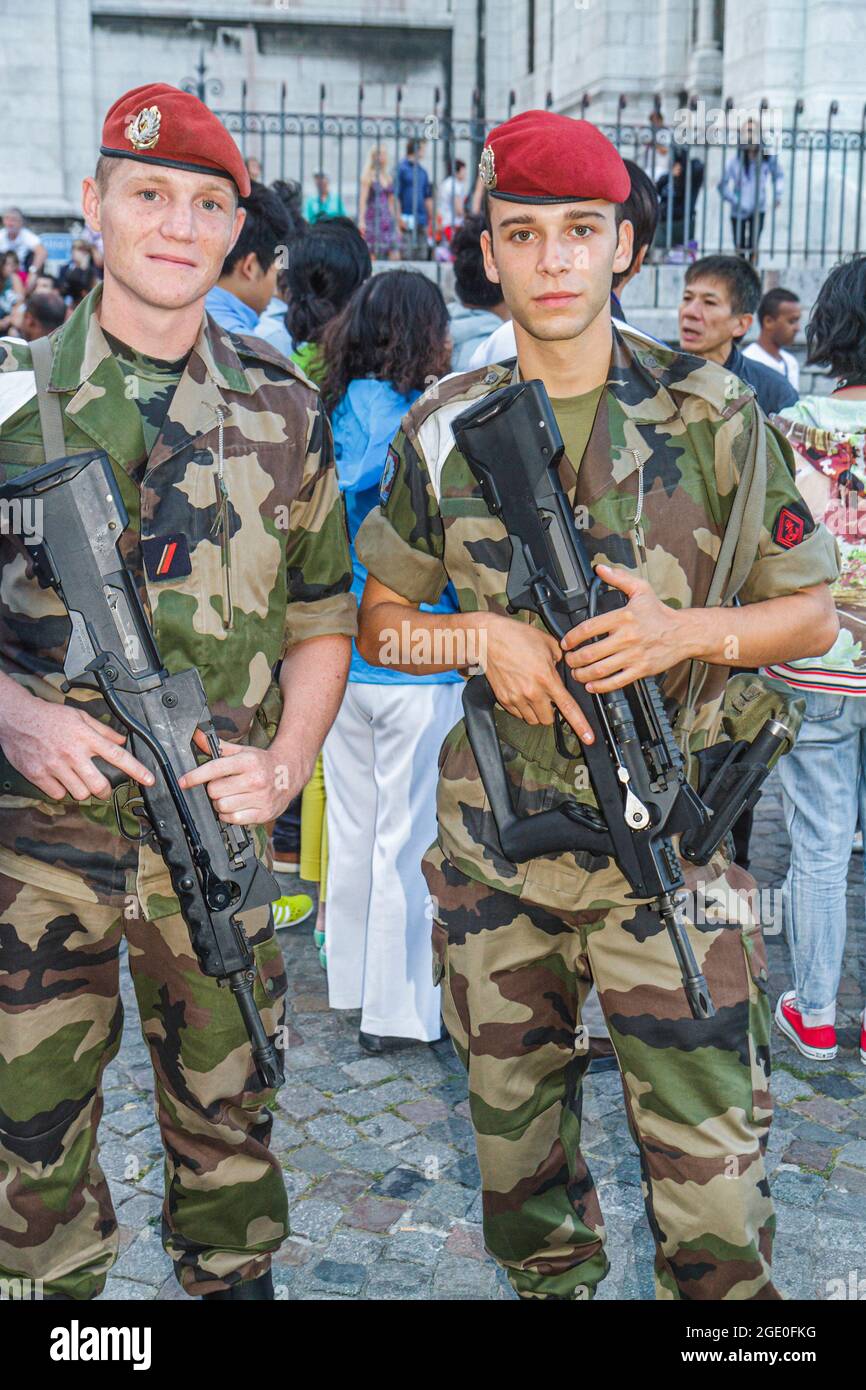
50,413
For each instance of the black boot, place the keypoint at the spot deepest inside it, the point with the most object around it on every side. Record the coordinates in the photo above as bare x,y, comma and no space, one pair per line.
261,1288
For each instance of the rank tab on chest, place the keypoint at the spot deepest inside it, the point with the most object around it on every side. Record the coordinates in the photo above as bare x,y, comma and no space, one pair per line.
166,557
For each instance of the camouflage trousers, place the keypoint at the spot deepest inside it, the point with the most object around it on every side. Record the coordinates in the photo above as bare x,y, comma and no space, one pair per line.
225,1207
514,978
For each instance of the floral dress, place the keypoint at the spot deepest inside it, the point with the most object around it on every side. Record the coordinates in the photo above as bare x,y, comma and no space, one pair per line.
379,228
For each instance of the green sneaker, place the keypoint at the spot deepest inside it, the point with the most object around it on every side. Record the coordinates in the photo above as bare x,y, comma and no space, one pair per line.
292,909
323,957
319,938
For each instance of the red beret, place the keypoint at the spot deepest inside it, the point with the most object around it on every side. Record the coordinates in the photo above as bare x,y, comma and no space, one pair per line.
158,124
542,157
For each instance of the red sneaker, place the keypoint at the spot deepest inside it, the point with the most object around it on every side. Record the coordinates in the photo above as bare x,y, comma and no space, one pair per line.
819,1043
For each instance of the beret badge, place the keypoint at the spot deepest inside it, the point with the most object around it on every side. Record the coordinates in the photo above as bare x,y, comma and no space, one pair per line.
142,131
487,167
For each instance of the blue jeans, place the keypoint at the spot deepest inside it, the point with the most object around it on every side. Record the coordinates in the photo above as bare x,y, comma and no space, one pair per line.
824,789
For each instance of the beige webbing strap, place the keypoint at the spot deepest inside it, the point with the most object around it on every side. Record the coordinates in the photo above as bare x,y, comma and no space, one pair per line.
50,413
736,556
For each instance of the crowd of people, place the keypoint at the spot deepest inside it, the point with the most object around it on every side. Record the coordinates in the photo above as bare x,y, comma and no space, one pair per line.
372,344
750,183
301,277
402,216
33,302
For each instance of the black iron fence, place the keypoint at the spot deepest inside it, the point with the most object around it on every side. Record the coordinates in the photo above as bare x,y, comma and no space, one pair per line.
795,197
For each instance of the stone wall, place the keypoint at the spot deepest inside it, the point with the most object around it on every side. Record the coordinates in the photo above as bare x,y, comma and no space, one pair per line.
61,71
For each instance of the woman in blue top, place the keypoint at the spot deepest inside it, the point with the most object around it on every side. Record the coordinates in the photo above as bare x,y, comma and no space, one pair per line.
380,757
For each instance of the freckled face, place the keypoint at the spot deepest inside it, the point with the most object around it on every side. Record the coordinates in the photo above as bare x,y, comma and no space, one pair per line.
166,232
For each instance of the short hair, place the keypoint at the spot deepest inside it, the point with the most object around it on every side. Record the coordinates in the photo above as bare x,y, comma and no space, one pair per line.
773,301
105,167
740,279
836,332
12,208
325,268
470,282
266,229
641,209
47,307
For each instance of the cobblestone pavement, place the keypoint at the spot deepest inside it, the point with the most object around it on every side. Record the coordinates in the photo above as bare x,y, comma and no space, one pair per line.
380,1166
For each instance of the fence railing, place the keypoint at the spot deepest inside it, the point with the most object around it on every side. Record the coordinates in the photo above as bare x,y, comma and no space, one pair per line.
809,209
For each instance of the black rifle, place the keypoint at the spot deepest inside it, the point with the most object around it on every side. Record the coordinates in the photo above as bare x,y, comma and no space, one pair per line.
214,868
512,444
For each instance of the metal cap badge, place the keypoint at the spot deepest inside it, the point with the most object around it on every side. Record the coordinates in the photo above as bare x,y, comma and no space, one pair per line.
142,131
487,167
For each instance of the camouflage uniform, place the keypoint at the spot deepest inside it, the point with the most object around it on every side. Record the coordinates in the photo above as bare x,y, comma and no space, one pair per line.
269,566
517,946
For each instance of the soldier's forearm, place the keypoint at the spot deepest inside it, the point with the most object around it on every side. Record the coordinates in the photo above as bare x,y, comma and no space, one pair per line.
401,637
312,680
777,629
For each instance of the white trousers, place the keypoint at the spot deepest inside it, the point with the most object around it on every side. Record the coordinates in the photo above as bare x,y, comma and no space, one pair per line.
380,778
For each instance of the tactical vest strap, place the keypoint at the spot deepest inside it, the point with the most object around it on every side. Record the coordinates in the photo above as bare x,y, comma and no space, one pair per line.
743,531
50,413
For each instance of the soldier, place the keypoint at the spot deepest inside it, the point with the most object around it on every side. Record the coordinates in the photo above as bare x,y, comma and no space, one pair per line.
655,443
237,541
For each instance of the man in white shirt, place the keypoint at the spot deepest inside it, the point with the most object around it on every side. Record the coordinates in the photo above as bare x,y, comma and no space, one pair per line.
16,237
779,314
452,196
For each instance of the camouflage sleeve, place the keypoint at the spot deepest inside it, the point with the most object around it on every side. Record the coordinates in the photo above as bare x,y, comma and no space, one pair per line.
794,550
401,541
318,559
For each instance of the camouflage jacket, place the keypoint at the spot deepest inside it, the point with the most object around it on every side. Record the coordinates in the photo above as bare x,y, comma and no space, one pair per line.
666,426
270,569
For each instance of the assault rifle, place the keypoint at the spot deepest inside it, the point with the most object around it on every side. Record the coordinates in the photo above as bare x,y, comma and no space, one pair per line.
214,868
512,444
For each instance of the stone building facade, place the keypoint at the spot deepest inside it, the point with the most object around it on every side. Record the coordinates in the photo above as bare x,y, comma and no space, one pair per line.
62,62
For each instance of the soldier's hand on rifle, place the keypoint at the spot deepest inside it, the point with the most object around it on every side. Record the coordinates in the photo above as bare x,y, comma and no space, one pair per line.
247,786
641,639
520,664
53,746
